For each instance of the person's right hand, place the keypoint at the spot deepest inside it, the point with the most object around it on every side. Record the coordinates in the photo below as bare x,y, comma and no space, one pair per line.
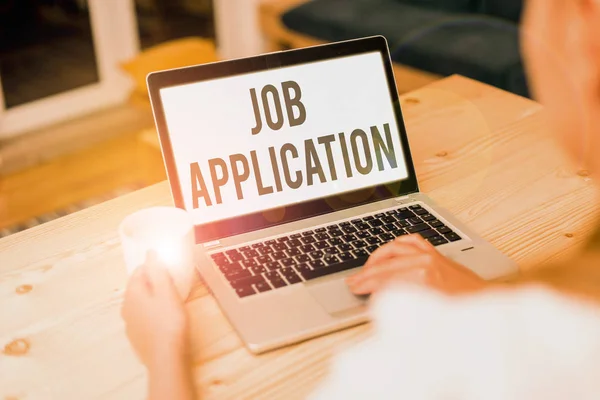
411,259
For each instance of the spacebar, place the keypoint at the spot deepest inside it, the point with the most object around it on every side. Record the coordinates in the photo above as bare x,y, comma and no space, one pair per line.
332,269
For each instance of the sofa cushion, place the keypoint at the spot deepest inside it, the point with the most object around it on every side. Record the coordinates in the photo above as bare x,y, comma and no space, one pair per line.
482,48
334,20
507,9
446,5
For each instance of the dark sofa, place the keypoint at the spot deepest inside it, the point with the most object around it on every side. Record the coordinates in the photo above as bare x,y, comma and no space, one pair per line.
475,38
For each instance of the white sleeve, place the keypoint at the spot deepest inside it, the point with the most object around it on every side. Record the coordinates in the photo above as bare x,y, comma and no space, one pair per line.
520,345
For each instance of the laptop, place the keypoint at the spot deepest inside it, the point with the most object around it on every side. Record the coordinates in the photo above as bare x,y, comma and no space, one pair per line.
295,166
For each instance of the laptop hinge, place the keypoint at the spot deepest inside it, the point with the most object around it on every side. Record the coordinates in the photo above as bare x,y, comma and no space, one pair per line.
212,244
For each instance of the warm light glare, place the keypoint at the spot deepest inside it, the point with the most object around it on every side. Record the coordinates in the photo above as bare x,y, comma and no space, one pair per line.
169,253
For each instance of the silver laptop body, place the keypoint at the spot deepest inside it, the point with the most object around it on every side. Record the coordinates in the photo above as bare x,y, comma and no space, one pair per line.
278,273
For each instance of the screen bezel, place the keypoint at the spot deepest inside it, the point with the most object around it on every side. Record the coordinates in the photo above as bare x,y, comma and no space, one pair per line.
285,214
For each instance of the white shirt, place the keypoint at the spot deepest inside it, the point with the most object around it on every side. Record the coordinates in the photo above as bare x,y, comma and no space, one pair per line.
524,344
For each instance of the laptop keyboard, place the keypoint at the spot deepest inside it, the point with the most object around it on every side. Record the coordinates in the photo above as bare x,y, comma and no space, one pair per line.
311,254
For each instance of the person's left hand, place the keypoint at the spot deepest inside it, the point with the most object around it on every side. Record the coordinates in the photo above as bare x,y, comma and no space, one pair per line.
412,259
155,316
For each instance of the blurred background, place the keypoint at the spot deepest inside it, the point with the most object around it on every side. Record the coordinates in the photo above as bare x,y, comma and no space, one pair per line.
76,126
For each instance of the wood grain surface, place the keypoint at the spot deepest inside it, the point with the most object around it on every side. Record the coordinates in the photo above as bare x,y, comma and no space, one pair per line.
482,153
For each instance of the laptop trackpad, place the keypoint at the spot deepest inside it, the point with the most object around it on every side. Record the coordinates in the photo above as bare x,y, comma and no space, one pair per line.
335,297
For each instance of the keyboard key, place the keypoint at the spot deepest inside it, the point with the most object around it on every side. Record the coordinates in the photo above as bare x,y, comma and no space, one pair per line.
307,233
415,207
453,237
349,229
283,239
279,246
437,242
444,230
332,250
290,275
258,245
295,236
237,275
272,265
265,250
398,232
277,282
345,257
246,281
389,227
236,257
249,263
376,231
321,245
322,236
245,291
428,233
231,252
362,226
315,255
415,220
417,228
388,219
333,227
308,239
436,224
293,252
345,247
428,217
287,262
402,224
371,249
368,218
349,238
280,255
231,267
363,234
244,248
373,240
380,215
330,260
335,241
262,287
356,221
250,253
404,215
303,258
263,259
270,242
386,237
307,248
259,269
218,256
342,266
421,211
303,268
316,263
272,275
359,244
294,243
320,230
375,223
336,233
403,209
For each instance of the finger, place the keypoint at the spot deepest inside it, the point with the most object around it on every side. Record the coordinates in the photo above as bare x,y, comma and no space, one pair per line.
394,265
158,275
384,279
416,240
396,248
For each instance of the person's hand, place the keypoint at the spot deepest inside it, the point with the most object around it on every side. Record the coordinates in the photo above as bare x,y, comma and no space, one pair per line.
155,317
412,259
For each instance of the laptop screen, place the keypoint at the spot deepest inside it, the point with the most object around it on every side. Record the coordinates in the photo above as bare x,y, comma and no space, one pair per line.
252,142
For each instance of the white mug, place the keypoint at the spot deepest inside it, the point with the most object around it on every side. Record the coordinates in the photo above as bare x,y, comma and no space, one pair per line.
169,232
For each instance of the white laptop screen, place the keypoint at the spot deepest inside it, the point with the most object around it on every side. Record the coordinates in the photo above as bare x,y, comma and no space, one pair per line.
264,140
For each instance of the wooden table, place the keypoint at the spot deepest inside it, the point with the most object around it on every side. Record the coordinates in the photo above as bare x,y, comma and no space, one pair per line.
481,152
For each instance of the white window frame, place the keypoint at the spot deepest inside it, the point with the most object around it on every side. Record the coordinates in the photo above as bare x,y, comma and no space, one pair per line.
115,36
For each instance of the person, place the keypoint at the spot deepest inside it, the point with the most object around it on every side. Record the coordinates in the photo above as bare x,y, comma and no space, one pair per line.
441,331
